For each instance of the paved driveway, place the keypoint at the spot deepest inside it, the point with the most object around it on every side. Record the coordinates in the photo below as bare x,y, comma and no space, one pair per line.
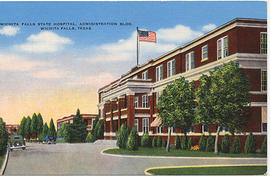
86,159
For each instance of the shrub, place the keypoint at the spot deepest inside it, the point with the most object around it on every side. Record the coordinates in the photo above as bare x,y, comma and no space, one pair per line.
202,143
122,136
250,144
264,145
159,142
154,142
164,143
145,141
177,142
236,146
184,142
190,143
210,144
90,138
132,143
225,144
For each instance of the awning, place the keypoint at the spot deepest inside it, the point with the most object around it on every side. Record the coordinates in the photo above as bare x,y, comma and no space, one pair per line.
156,122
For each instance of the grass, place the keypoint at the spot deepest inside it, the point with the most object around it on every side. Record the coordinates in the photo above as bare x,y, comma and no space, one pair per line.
224,170
174,152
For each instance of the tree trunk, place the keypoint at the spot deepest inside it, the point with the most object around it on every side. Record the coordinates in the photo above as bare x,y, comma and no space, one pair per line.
216,141
168,141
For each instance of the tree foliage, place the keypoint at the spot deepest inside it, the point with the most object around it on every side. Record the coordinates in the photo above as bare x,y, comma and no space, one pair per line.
122,136
33,126
132,142
45,132
250,144
28,127
39,123
202,143
184,143
236,145
154,142
176,106
22,127
177,142
264,145
145,141
52,131
76,131
225,144
221,98
159,141
210,144
3,136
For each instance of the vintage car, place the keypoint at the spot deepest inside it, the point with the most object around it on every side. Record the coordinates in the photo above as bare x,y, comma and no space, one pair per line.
49,140
16,142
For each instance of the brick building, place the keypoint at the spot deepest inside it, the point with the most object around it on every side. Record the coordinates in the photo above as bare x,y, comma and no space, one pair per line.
12,128
88,119
133,97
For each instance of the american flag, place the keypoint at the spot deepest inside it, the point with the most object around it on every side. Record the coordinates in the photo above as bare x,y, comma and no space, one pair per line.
147,36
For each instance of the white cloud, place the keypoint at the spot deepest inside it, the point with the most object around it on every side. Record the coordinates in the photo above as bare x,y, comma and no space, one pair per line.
99,80
49,74
9,30
44,42
12,62
208,27
178,34
125,49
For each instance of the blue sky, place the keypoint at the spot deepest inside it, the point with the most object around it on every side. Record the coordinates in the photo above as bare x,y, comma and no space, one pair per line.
41,67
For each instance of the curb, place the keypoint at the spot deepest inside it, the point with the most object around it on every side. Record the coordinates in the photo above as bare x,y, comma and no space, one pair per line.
180,157
167,167
4,165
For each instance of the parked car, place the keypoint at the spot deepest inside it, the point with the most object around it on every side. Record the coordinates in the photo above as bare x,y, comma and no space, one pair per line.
16,142
49,140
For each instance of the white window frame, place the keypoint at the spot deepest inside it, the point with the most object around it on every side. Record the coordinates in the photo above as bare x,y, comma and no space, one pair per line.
171,68
160,129
262,71
145,75
159,73
136,121
261,42
203,52
101,113
191,130
145,101
145,125
71,121
190,61
223,48
136,102
203,129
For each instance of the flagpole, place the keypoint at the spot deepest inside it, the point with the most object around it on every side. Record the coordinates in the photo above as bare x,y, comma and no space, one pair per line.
137,46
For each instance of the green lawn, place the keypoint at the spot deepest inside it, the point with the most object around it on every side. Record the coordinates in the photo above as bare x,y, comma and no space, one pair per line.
225,170
174,152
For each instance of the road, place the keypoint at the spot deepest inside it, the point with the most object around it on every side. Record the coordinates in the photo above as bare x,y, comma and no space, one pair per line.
86,159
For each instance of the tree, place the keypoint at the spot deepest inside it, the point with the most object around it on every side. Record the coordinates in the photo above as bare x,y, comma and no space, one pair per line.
61,131
100,129
34,124
190,143
52,131
132,143
202,143
3,136
39,124
159,141
250,144
236,146
177,142
210,144
176,106
225,144
94,129
221,98
184,143
22,127
264,145
122,136
45,132
145,141
28,127
154,142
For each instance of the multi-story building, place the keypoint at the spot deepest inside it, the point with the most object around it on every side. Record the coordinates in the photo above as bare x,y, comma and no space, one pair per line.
88,119
12,128
133,97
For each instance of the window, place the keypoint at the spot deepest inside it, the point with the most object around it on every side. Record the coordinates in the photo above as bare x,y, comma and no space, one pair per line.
58,125
172,129
264,119
136,124
222,47
263,43
71,121
159,73
224,129
158,94
136,102
171,68
145,101
145,125
189,61
205,128
205,53
160,129
264,81
145,75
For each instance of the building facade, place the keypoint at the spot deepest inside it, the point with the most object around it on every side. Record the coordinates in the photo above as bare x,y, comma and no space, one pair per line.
133,97
88,119
12,128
